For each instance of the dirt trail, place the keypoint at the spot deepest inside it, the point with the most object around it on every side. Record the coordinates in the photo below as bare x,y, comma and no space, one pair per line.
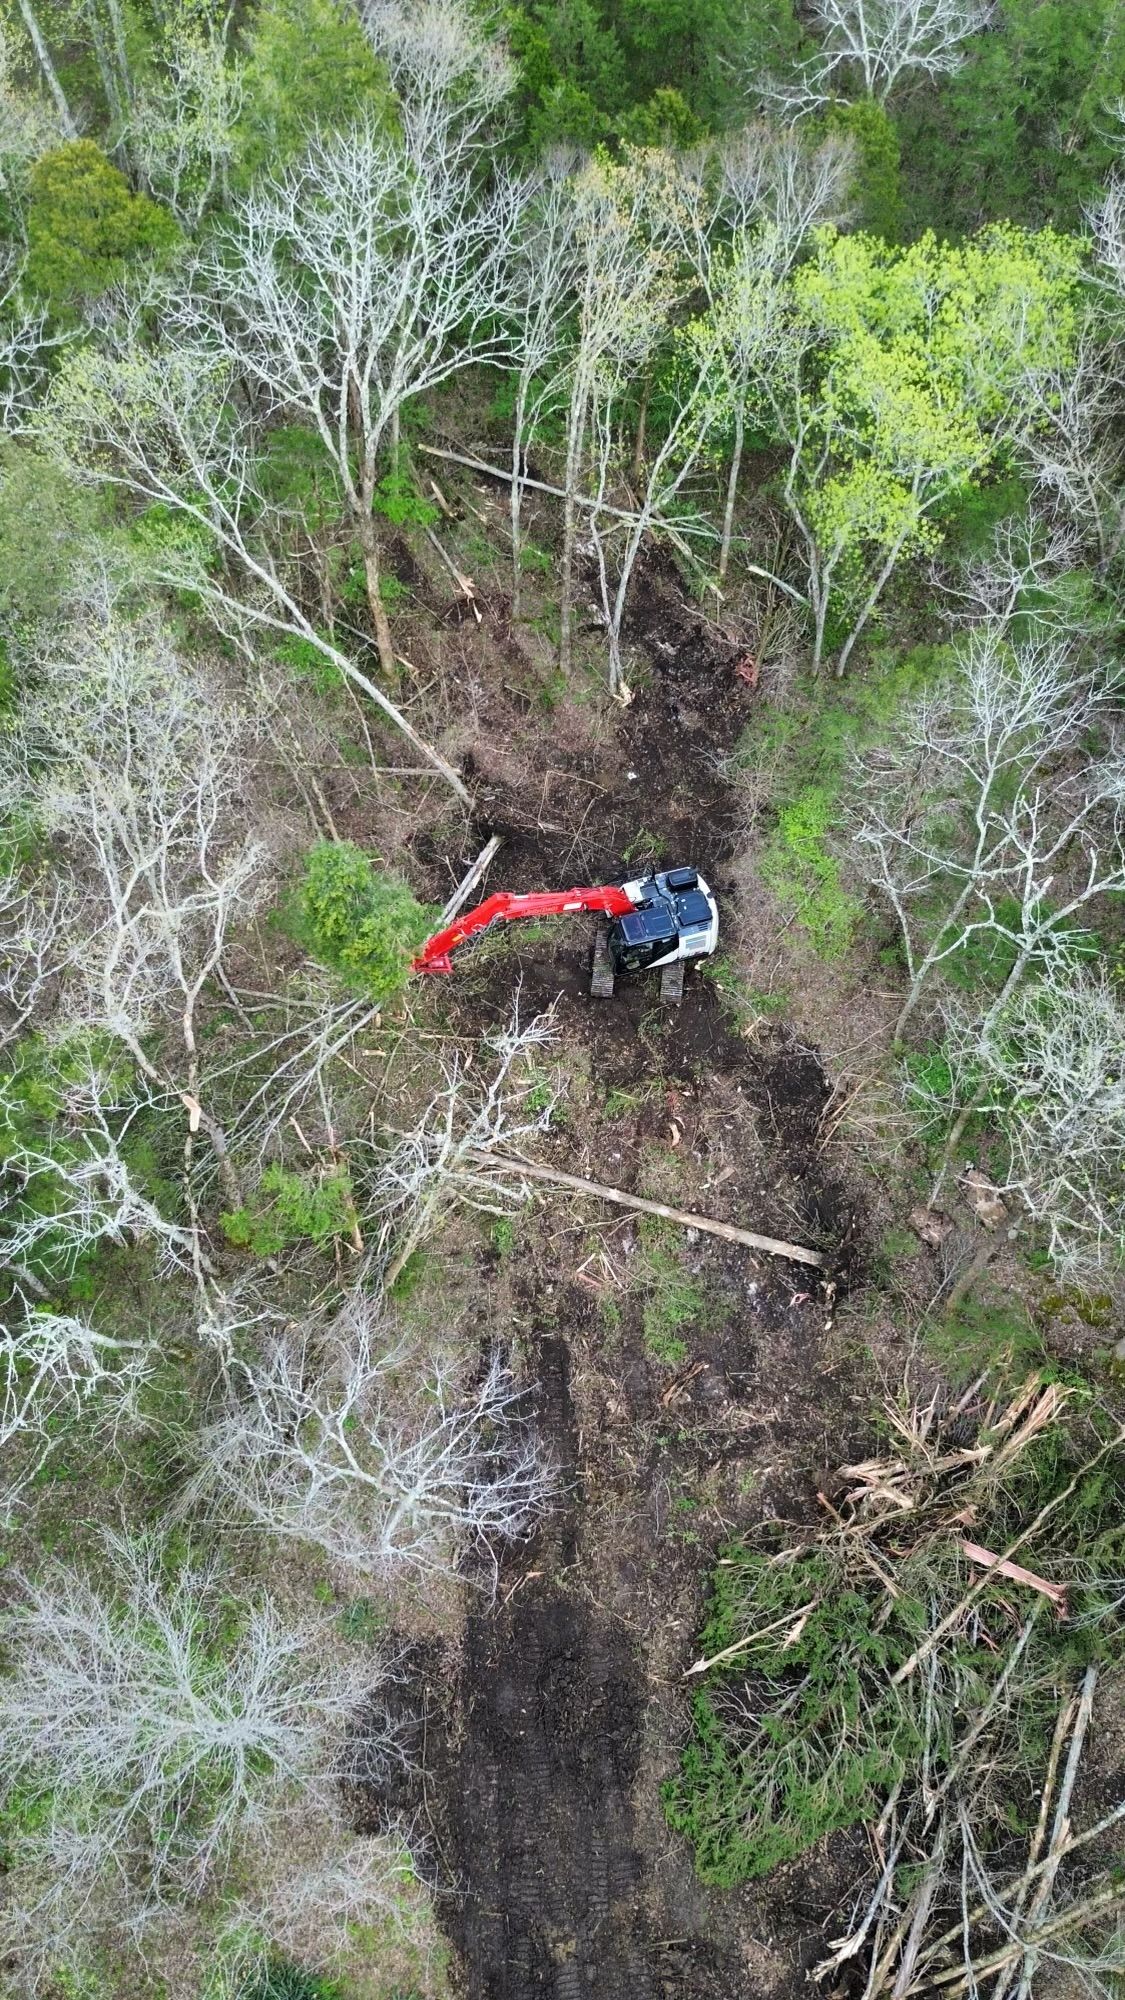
566,1883
539,1808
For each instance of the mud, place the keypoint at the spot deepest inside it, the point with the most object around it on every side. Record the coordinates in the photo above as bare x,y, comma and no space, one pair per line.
556,1872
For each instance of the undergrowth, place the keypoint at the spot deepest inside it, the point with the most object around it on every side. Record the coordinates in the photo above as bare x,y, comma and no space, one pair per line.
812,740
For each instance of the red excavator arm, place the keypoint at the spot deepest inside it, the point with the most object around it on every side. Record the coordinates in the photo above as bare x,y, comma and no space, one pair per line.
435,953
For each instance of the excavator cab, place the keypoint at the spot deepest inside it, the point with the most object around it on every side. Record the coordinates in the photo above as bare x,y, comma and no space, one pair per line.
642,939
673,918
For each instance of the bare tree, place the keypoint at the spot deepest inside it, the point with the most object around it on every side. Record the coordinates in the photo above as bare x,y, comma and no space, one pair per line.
153,1736
28,126
135,766
626,286
880,43
312,1888
428,1170
71,1180
368,276
389,1460
544,272
26,346
974,824
184,128
1075,450
1047,1069
46,64
768,188
447,68
694,406
1108,222
36,942
54,1368
168,426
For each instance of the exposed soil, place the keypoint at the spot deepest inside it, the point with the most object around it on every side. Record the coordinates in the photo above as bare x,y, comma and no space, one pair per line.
561,1878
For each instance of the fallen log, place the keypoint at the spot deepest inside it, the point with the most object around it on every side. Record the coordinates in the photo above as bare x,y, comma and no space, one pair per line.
771,1245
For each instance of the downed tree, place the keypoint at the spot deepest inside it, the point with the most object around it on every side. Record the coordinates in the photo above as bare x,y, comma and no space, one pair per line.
674,529
772,1246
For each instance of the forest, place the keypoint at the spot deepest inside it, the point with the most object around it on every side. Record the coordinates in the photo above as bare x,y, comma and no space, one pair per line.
522,1474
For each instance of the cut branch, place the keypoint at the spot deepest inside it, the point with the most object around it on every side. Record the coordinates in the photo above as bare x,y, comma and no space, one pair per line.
470,880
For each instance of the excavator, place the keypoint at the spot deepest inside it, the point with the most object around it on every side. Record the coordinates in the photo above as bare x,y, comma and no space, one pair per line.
656,924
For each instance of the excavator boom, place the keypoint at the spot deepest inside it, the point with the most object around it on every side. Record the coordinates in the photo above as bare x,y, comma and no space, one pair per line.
435,955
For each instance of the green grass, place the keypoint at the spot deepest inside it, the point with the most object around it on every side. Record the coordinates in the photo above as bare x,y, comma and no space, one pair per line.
812,742
987,1335
805,876
645,846
674,1301
283,1981
745,1004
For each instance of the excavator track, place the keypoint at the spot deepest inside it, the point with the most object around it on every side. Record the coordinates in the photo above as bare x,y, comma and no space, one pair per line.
672,983
601,977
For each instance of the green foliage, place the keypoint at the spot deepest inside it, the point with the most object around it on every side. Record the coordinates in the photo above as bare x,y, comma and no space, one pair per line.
801,1730
813,740
85,225
645,847
645,72
503,1235
46,522
297,476
918,354
805,876
398,499
316,1206
1023,129
674,1300
363,926
306,662
171,542
309,67
745,1004
42,1096
663,120
819,1760
282,1980
876,186
988,1335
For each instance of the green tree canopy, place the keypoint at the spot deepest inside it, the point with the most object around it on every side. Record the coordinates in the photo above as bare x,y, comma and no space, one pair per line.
363,926
1026,128
900,380
85,225
308,67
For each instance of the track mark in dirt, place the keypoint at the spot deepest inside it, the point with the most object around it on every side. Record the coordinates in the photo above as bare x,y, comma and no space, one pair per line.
539,1815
